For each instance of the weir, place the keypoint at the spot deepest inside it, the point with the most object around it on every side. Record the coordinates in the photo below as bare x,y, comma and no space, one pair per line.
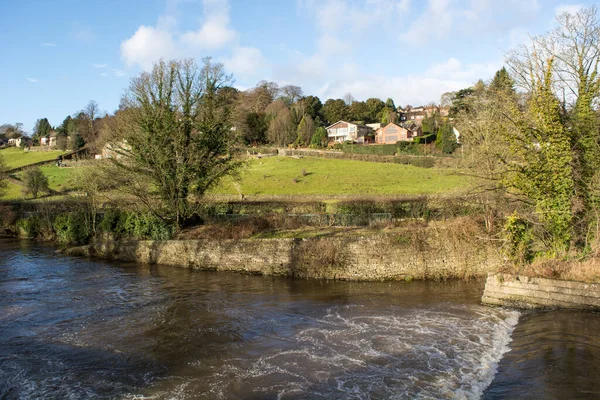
528,292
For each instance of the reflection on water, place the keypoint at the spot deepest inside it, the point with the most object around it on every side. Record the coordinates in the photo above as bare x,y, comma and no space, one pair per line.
74,328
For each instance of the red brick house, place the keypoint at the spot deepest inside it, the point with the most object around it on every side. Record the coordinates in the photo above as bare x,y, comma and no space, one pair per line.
392,133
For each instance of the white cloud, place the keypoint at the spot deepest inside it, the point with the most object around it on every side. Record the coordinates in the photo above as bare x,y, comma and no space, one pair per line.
118,72
49,44
150,43
100,66
245,61
447,18
32,80
104,74
567,8
146,46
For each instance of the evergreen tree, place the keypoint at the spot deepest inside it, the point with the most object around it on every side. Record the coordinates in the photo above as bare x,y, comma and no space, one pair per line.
502,81
389,103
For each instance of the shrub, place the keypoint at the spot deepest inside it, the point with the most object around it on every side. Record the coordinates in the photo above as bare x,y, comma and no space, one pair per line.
72,228
519,236
110,221
35,182
28,228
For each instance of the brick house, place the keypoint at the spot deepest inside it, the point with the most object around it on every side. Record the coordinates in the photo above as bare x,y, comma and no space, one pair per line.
392,133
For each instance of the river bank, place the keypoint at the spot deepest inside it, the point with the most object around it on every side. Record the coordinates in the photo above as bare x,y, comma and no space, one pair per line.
434,252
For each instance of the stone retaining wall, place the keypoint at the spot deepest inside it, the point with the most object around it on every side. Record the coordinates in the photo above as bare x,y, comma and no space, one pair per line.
527,292
373,258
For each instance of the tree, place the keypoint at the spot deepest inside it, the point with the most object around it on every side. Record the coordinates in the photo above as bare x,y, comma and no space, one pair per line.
88,129
334,110
389,103
446,139
305,131
256,132
358,111
290,94
572,48
35,182
282,130
447,98
9,131
173,139
41,129
503,81
312,106
542,168
319,138
374,108
460,101
349,99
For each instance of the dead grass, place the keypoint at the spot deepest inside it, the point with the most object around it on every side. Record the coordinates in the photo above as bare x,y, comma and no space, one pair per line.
583,271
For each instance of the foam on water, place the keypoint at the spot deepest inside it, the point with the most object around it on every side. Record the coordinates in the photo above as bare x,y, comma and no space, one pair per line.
447,352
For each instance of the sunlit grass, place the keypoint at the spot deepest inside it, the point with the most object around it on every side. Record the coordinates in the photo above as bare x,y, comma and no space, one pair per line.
15,157
317,176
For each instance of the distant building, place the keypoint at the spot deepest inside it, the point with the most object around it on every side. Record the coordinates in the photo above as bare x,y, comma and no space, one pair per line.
15,142
343,131
403,132
49,140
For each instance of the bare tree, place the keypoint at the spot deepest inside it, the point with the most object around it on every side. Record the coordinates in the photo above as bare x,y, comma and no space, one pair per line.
349,99
291,93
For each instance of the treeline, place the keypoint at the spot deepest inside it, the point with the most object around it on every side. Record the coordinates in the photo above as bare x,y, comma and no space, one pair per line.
282,116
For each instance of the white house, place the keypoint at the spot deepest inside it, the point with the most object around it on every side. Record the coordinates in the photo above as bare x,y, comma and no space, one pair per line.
343,131
15,142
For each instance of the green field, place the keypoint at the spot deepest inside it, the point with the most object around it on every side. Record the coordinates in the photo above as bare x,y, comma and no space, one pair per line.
284,176
15,157
58,179
309,176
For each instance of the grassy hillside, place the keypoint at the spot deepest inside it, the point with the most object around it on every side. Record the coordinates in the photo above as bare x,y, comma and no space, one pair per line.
310,176
16,157
58,179
284,176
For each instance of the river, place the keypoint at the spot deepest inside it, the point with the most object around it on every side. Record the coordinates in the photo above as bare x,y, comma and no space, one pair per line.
75,329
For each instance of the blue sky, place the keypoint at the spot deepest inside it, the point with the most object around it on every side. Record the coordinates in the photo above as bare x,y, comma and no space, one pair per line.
58,55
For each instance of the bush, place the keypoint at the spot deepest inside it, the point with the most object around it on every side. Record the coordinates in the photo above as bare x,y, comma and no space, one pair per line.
35,182
125,224
431,138
72,228
28,228
519,236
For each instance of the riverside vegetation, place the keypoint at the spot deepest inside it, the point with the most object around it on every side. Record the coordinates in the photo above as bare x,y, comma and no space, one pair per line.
529,158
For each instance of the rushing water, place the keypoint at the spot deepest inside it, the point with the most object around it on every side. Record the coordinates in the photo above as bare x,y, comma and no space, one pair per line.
74,328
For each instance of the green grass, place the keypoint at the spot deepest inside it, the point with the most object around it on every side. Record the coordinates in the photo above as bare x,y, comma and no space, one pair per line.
13,192
58,179
15,157
275,176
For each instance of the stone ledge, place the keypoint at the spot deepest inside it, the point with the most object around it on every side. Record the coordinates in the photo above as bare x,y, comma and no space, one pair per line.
528,292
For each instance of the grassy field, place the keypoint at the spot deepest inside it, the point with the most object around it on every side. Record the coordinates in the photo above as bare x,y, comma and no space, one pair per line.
58,179
309,176
15,157
317,176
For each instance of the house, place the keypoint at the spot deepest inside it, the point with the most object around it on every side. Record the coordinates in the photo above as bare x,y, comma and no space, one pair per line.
343,131
15,142
403,132
49,140
113,150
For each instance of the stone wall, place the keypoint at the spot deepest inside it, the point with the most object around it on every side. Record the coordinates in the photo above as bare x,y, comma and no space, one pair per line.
437,255
527,292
